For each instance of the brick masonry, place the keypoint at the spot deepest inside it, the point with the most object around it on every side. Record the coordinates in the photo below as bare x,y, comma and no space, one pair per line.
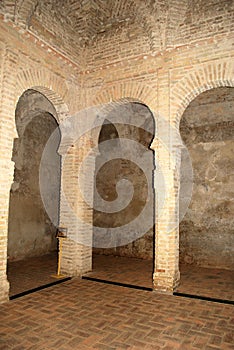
166,75
87,315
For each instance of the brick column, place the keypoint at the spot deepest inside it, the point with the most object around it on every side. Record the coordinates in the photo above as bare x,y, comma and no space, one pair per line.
166,266
7,134
75,213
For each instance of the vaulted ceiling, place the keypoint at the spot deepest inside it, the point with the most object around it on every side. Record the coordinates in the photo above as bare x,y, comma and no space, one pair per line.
74,24
87,19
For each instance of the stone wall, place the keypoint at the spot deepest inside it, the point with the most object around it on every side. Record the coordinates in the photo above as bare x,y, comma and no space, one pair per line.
206,232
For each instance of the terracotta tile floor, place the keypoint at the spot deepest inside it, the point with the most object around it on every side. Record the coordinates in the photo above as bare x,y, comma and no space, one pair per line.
34,272
123,270
31,273
81,314
215,283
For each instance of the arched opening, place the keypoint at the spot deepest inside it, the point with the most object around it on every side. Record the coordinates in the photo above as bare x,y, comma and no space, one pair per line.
123,235
32,245
206,231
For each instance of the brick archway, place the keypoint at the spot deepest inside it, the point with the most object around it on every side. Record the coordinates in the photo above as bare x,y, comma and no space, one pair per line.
55,90
127,91
205,77
48,84
111,95
110,100
105,108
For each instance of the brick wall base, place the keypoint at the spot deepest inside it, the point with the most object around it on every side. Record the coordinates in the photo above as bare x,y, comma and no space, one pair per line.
4,290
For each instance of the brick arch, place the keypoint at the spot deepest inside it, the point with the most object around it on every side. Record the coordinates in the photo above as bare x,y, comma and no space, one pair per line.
109,96
106,108
48,84
127,92
24,113
203,78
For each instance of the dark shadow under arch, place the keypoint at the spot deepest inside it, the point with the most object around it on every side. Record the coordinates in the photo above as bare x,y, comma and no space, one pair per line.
31,232
206,231
131,121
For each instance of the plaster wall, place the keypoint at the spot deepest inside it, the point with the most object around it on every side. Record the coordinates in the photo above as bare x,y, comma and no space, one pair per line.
30,230
132,161
206,232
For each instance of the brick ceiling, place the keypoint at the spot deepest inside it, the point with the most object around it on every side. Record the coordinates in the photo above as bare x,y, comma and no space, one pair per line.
83,22
88,19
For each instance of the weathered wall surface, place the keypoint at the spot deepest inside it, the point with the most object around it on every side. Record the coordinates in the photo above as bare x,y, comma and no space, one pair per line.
186,48
167,83
27,63
30,230
132,161
206,232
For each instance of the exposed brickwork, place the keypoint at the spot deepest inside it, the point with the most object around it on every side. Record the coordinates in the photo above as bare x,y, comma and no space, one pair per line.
204,18
181,49
86,315
20,68
7,128
177,85
206,76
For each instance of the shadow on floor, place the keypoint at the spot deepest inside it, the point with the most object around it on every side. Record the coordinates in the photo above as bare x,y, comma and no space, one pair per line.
34,272
31,273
